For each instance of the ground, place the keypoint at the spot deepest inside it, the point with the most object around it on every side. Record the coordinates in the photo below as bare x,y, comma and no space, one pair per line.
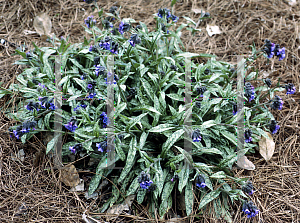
242,23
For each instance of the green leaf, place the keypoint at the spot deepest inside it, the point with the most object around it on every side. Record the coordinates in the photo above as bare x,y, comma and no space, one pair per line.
135,121
119,150
218,175
165,206
146,108
47,120
162,128
147,88
186,155
133,187
99,172
230,136
183,178
143,139
209,197
170,141
173,2
189,198
190,20
141,195
130,159
176,97
52,144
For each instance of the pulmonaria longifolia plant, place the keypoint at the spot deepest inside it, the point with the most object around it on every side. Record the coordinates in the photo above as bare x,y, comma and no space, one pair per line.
149,86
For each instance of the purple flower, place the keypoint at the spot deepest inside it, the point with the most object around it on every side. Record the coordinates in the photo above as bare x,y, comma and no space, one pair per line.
114,47
144,180
100,70
89,86
92,48
200,181
32,105
273,126
124,27
201,90
249,91
290,88
134,39
196,136
250,209
164,13
76,148
174,18
42,86
248,134
92,95
104,119
47,104
277,103
90,21
279,52
72,124
101,146
269,48
248,188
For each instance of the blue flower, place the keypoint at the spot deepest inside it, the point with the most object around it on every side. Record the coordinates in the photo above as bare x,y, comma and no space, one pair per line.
105,44
174,18
114,47
248,134
47,104
290,88
269,48
104,119
24,128
273,126
29,56
277,103
42,85
201,90
249,91
280,53
234,109
134,39
107,24
92,49
250,209
200,181
101,146
164,13
76,148
72,124
32,105
90,21
248,188
124,27
116,78
92,95
196,136
100,70
144,180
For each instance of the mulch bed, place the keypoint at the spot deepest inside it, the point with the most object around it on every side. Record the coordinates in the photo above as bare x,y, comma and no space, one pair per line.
28,193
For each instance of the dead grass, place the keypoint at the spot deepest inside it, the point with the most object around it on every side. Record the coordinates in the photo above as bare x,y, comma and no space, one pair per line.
242,23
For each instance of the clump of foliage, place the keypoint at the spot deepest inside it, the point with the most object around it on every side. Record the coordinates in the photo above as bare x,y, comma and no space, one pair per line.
149,78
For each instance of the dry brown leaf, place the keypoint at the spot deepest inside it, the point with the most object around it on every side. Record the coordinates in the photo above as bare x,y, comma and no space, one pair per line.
42,24
69,176
197,11
212,30
79,187
244,163
266,147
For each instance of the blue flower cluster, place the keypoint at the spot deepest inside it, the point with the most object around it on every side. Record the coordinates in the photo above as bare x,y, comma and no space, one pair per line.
91,89
277,103
102,146
110,45
32,105
47,103
77,148
290,88
144,180
196,136
273,126
166,13
248,134
124,27
78,106
201,90
72,124
249,91
250,209
200,181
104,119
248,188
24,128
90,21
134,39
271,49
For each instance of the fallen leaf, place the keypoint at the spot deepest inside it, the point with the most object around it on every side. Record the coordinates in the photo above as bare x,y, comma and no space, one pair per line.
266,147
79,187
20,155
198,11
244,163
42,24
29,32
69,176
212,30
292,2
